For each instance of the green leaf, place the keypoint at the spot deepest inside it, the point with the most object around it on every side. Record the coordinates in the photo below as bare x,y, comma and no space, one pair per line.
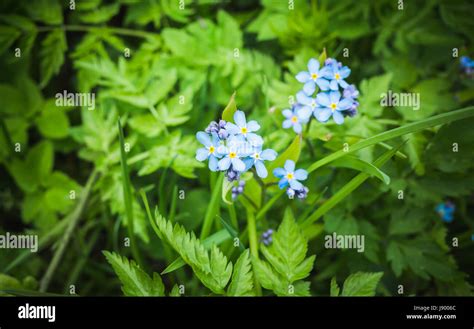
46,11
230,109
361,284
335,290
347,189
242,278
135,282
397,132
363,166
51,55
53,122
100,15
8,35
370,94
211,268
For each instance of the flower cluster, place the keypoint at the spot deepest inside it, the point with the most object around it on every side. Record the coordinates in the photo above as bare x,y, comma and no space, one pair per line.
267,237
237,190
290,179
446,211
328,102
467,64
234,147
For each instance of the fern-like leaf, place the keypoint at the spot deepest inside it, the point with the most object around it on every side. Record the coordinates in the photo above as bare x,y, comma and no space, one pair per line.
242,278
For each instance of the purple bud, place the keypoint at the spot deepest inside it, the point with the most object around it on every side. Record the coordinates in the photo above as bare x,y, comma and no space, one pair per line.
222,123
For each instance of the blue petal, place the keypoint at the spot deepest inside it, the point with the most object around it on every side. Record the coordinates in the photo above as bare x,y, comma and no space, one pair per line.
224,163
287,124
268,154
213,163
304,114
283,183
232,128
301,174
279,172
343,84
261,170
333,85
238,164
295,185
239,118
254,139
202,154
309,87
345,72
334,96
204,138
322,83
313,65
323,99
326,72
289,166
302,98
253,125
249,162
322,114
344,104
287,113
303,76
338,117
297,128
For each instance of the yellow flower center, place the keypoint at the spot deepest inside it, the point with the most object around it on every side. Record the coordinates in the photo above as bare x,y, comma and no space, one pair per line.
256,156
211,149
290,176
333,106
294,119
232,155
243,130
337,76
314,76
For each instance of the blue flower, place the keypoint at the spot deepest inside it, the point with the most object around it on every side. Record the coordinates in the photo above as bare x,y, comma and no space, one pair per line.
309,103
237,190
446,211
289,176
295,117
257,159
314,76
267,237
331,105
233,152
210,150
350,92
244,129
466,62
337,75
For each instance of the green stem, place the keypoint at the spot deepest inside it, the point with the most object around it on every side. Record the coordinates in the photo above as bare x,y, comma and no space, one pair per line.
253,242
76,216
212,208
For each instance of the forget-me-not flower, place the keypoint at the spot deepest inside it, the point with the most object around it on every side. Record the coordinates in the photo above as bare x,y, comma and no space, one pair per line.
331,104
314,76
257,158
295,117
337,75
210,150
244,128
289,176
232,154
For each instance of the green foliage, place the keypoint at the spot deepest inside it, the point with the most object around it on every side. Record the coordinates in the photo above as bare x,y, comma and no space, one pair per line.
357,284
135,282
286,263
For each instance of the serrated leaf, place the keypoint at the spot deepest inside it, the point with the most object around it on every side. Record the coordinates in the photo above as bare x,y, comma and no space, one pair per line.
242,278
211,268
52,52
361,284
335,290
135,282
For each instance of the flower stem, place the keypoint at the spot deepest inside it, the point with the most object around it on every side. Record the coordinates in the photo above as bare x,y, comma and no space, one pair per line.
253,242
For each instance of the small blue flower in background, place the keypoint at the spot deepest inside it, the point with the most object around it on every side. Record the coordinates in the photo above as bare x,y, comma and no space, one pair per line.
331,105
314,76
467,64
267,237
210,150
290,178
295,117
257,159
351,92
446,211
337,76
244,128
